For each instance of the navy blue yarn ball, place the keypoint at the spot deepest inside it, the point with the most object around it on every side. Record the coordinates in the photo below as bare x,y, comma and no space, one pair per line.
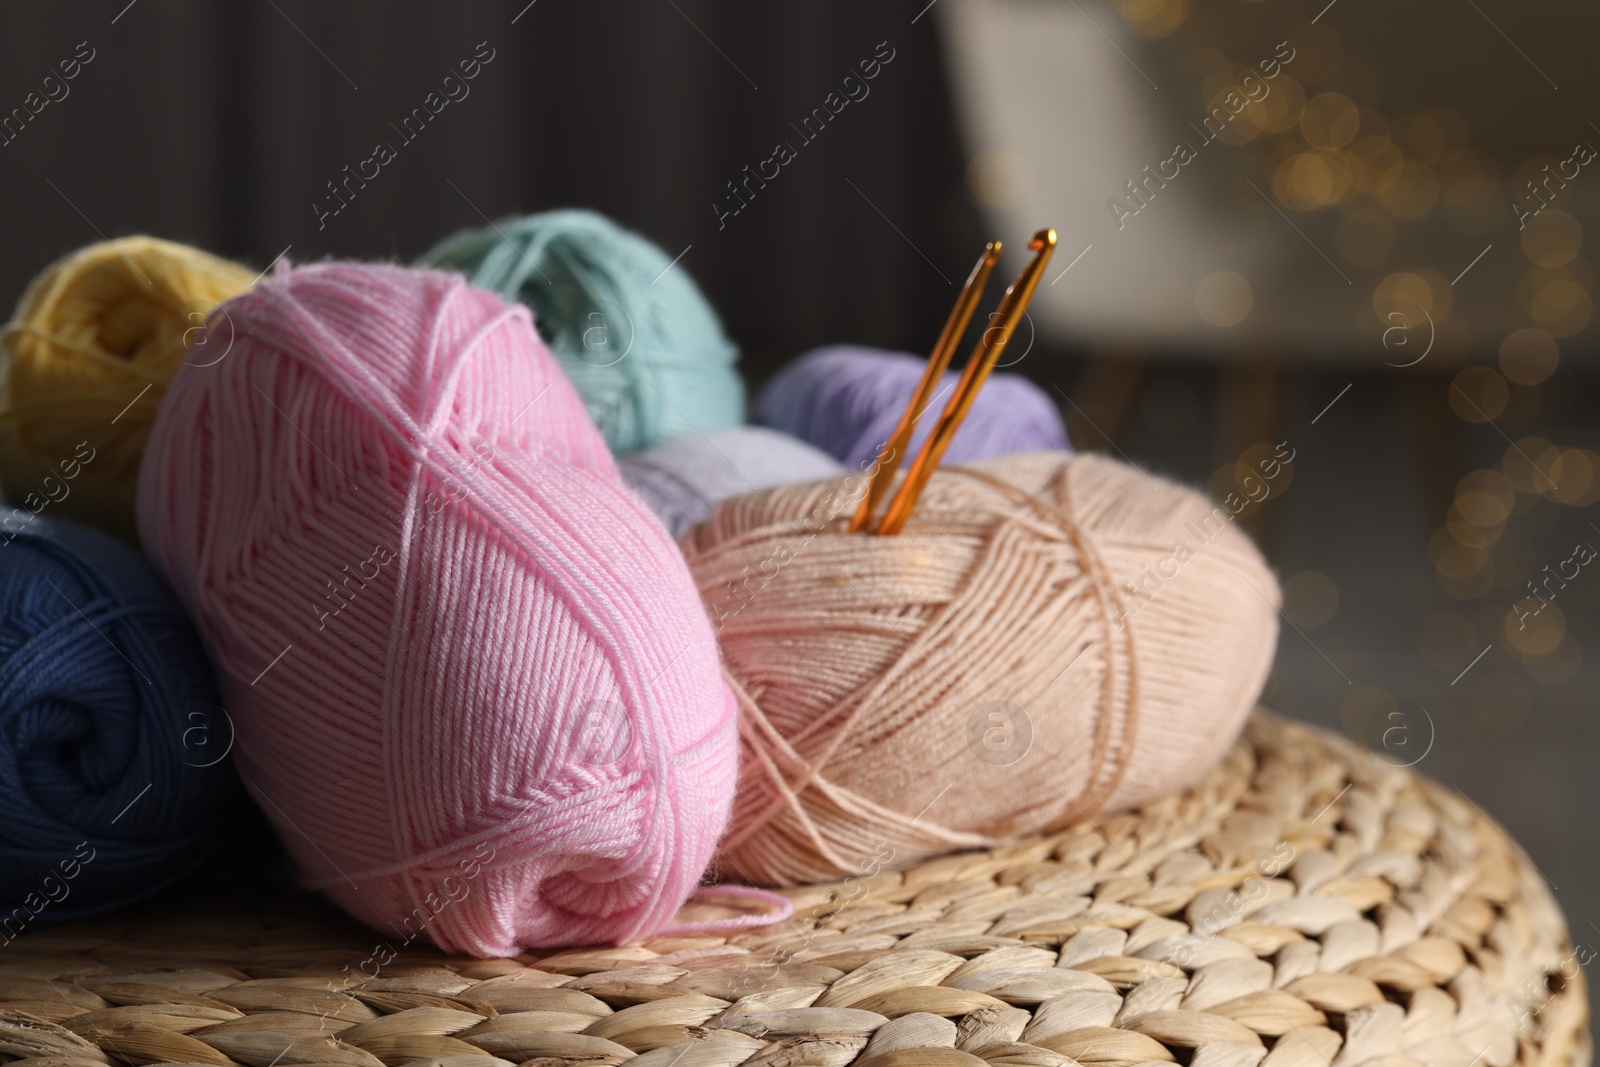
114,777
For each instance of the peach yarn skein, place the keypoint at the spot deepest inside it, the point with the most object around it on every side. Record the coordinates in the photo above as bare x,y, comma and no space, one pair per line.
473,685
88,355
987,673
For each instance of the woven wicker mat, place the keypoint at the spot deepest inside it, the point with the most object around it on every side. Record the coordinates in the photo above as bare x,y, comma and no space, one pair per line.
1307,905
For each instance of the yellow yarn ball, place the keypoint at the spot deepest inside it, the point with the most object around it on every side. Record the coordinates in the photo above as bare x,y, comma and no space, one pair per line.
87,358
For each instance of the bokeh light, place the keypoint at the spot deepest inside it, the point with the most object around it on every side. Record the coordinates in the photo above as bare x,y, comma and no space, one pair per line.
1561,307
1521,468
1330,120
1223,298
1373,158
1570,475
1530,635
1405,194
1360,706
1478,394
1463,571
1551,238
1422,135
1153,18
1560,666
1256,477
1310,599
1409,189
1485,498
1425,289
1529,356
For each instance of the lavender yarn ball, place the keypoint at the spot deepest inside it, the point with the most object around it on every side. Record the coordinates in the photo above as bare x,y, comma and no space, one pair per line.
685,478
847,400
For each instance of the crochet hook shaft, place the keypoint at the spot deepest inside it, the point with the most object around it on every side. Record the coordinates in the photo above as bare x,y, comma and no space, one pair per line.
991,345
894,449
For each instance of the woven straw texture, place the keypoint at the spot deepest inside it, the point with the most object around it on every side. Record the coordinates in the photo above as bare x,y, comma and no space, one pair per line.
1307,904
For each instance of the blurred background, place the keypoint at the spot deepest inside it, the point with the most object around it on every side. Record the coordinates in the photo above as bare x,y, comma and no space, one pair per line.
1352,227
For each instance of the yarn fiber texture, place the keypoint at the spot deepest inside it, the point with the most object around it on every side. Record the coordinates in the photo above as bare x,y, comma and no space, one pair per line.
684,479
114,780
475,689
847,400
630,328
88,355
986,673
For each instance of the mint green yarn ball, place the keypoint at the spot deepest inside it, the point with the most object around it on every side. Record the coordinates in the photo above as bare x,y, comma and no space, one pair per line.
630,328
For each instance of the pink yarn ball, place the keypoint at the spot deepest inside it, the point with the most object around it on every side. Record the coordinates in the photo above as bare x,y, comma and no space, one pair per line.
473,684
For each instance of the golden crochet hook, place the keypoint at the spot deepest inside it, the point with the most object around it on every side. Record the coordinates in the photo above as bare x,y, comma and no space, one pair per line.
894,449
991,345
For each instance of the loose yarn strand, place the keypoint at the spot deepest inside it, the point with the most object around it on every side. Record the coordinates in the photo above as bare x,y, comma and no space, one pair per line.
781,908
